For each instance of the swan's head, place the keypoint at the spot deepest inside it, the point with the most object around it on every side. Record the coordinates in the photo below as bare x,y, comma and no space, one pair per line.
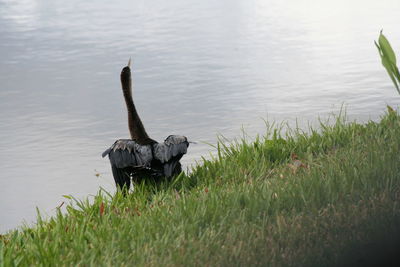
126,75
126,78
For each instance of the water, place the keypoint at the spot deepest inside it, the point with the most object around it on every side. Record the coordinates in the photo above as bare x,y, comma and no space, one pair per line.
201,68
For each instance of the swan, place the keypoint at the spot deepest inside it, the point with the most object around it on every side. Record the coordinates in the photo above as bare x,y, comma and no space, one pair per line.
141,157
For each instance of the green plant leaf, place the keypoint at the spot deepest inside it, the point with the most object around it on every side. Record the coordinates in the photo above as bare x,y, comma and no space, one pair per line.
379,48
387,48
388,60
388,66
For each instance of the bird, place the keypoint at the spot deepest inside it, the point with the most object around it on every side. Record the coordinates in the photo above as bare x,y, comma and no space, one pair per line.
141,157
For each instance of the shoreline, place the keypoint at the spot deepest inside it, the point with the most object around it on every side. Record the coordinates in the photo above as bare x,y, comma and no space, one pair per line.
307,199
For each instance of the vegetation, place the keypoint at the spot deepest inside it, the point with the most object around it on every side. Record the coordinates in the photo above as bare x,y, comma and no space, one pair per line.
322,198
388,60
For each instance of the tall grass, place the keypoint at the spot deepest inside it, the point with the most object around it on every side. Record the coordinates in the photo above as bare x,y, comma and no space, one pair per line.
322,198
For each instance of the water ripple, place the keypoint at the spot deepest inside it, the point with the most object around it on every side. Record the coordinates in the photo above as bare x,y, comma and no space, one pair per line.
201,68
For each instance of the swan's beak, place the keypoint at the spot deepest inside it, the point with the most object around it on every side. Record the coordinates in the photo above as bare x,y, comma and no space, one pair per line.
129,63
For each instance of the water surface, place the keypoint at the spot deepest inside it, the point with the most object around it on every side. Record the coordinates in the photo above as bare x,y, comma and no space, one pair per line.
201,68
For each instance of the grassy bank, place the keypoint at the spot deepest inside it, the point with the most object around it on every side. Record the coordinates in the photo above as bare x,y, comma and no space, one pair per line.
326,198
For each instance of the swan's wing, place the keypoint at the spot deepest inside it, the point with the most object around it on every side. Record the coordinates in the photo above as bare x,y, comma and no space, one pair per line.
175,146
127,153
170,152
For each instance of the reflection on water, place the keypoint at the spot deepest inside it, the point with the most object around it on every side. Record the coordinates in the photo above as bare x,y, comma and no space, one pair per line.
201,68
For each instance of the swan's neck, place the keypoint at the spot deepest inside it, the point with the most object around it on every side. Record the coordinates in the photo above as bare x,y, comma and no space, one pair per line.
136,128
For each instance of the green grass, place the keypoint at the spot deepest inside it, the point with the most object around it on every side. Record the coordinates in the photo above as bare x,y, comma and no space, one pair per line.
322,198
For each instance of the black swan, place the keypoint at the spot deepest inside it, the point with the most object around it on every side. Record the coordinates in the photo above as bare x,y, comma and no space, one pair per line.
141,157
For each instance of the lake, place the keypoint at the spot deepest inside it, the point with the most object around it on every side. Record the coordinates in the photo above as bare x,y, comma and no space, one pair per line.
200,68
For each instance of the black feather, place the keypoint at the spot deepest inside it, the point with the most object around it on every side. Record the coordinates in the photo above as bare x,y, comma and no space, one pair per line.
154,160
175,146
121,178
